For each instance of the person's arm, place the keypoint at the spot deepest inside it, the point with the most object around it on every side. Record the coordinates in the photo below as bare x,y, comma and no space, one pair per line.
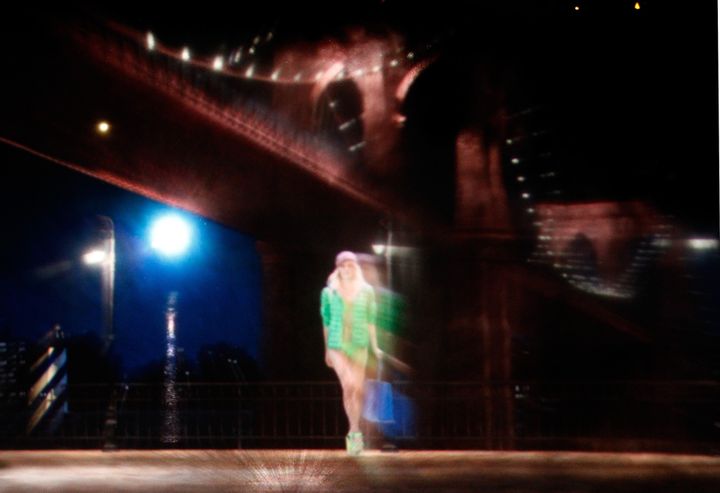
372,328
328,361
372,331
325,314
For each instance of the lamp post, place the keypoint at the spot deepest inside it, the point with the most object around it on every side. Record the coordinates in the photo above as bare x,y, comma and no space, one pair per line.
105,258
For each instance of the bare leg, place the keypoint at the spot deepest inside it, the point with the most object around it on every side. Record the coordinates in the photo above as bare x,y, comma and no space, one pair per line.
341,365
356,395
352,380
352,409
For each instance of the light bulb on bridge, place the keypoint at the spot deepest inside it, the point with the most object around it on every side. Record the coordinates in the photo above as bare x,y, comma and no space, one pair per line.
103,127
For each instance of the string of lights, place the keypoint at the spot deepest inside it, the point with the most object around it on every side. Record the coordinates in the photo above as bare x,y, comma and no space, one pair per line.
558,244
243,63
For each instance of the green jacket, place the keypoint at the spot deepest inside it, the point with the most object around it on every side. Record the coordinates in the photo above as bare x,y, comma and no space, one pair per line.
332,310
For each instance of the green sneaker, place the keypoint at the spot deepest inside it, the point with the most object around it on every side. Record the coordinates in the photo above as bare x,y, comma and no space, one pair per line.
354,443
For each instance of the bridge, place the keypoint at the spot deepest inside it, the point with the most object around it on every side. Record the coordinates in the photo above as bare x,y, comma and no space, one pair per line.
332,143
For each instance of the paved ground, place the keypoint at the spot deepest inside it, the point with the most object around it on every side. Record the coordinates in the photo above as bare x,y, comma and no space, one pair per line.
296,470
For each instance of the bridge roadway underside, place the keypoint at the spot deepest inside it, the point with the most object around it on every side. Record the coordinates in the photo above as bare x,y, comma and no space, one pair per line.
321,470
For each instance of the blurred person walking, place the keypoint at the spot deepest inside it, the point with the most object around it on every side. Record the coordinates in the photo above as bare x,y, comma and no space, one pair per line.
348,309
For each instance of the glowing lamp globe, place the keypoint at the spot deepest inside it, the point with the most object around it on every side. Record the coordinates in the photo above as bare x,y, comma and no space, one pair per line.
170,235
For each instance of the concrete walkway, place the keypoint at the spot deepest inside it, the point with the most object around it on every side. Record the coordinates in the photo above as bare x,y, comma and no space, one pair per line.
313,470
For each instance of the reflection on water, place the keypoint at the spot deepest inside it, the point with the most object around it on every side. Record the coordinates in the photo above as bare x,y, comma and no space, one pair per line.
171,422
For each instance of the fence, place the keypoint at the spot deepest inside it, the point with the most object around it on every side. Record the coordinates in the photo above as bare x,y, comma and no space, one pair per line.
655,416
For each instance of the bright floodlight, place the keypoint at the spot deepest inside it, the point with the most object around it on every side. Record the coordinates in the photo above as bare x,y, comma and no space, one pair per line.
95,257
170,235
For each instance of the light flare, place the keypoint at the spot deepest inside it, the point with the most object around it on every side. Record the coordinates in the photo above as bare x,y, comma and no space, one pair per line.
170,235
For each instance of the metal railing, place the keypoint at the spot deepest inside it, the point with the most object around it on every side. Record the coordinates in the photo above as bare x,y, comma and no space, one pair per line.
653,416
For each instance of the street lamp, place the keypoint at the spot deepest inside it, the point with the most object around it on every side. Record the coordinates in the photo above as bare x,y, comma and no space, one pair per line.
170,235
104,256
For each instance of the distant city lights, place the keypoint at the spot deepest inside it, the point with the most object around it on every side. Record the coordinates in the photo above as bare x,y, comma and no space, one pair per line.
150,41
170,235
217,63
185,54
